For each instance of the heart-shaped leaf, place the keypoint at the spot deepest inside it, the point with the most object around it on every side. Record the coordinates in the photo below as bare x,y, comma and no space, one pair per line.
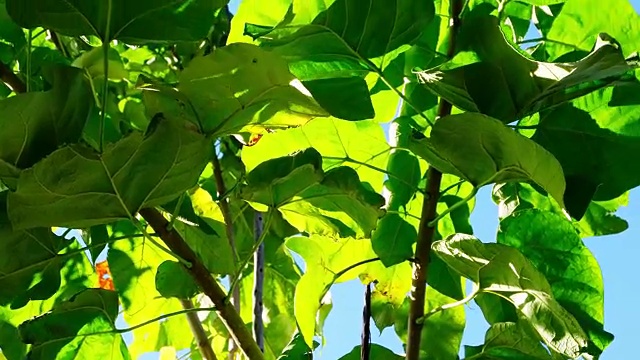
482,150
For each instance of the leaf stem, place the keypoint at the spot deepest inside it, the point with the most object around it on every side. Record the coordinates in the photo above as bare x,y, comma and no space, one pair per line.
466,299
426,232
339,274
228,314
460,203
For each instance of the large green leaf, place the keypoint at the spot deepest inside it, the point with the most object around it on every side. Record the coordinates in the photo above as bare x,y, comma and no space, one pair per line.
324,257
317,202
592,138
555,249
237,88
349,38
600,218
138,171
132,22
35,273
580,22
84,328
37,123
134,262
487,151
507,340
490,76
503,270
393,239
359,144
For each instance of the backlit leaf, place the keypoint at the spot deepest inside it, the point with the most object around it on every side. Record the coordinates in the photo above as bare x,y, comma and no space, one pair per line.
591,137
325,203
555,249
131,22
138,171
507,340
477,79
238,88
347,40
360,145
84,328
501,269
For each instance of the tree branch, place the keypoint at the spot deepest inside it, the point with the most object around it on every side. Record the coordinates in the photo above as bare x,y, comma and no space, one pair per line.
426,230
229,316
228,221
12,80
198,331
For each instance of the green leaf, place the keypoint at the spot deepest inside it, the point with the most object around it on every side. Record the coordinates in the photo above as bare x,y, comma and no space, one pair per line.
11,347
382,311
476,79
487,152
346,39
580,21
360,145
214,250
84,328
324,257
393,239
598,220
98,238
134,262
138,171
134,23
317,202
592,137
404,177
345,98
554,247
37,123
503,270
507,340
93,62
237,88
35,273
377,352
173,280
297,349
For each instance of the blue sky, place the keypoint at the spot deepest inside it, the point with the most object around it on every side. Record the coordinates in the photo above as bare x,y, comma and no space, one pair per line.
616,254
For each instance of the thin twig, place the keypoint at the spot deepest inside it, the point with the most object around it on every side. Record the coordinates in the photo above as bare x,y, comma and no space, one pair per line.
229,316
365,343
258,279
198,331
425,231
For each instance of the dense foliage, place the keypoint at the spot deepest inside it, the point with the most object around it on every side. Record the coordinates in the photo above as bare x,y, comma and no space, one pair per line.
195,152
